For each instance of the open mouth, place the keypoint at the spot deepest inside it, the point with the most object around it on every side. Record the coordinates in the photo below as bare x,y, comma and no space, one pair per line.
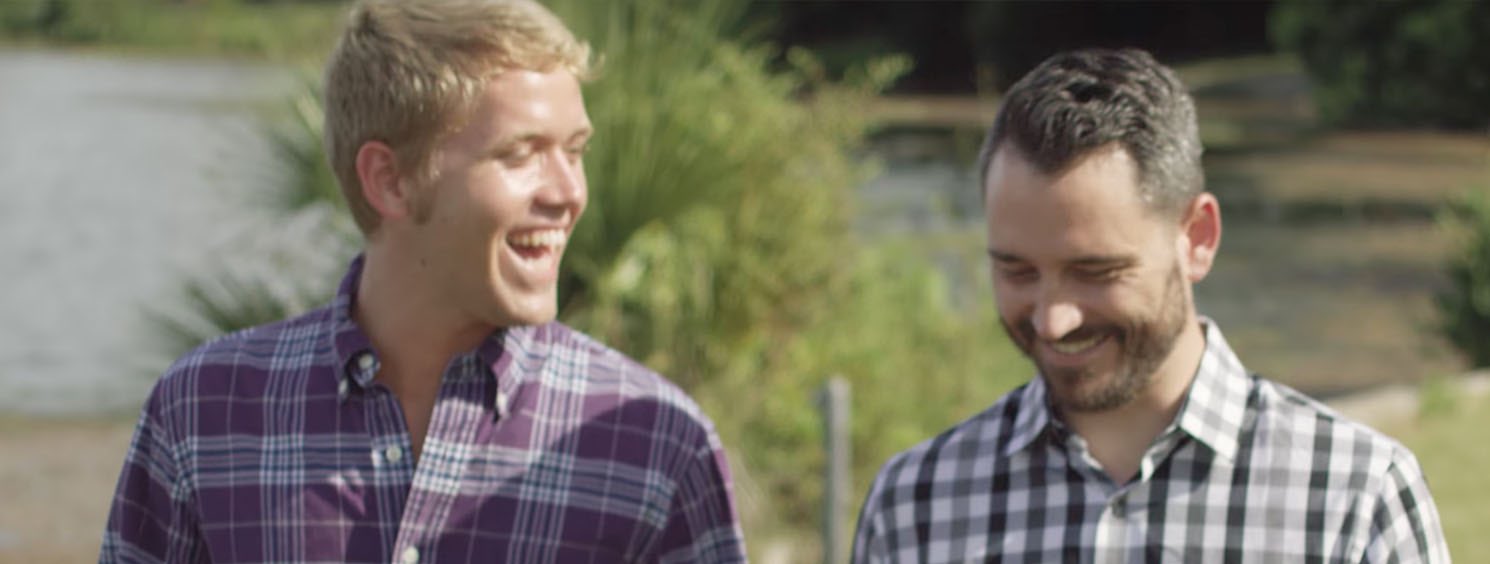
537,244
1078,346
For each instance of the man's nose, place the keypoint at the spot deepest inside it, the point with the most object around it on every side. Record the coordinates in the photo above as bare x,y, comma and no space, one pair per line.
564,181
1055,317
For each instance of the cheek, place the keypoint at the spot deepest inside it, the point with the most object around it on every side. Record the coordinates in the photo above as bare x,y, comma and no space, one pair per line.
584,193
514,181
1132,301
1013,302
499,197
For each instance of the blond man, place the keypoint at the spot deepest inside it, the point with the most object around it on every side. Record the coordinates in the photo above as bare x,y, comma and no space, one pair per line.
434,411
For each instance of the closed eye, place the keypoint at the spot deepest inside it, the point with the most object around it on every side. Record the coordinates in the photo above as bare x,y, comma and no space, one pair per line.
1099,274
577,151
1016,272
516,155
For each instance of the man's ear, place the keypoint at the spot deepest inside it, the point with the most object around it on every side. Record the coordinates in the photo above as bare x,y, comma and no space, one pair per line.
1200,236
382,185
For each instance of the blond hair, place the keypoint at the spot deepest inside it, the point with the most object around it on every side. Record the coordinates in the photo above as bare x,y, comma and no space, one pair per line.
406,71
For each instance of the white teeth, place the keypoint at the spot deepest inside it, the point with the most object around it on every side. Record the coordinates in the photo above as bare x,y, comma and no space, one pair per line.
535,239
1073,347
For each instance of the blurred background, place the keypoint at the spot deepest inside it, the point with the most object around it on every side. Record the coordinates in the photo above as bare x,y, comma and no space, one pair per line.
781,193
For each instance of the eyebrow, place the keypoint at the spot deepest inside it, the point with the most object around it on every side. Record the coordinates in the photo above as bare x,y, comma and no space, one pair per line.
1116,261
1001,256
530,136
519,137
1091,261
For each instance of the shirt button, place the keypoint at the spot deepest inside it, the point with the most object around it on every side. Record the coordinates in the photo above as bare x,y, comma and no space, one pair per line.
410,556
1119,507
393,454
502,405
365,361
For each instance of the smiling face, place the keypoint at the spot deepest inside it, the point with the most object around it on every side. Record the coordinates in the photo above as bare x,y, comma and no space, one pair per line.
1088,279
508,187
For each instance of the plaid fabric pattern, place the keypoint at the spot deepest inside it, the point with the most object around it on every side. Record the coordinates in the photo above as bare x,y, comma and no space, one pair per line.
277,445
1249,471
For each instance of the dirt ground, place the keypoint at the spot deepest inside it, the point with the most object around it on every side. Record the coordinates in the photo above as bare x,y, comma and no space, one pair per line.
56,478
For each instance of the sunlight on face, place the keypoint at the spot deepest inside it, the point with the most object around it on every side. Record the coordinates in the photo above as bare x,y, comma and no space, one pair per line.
508,189
1085,276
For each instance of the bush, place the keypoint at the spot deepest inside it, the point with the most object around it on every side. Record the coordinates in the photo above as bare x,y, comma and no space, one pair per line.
718,249
1465,306
1392,63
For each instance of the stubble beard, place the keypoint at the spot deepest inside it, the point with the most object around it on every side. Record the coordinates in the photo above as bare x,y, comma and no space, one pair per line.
1144,345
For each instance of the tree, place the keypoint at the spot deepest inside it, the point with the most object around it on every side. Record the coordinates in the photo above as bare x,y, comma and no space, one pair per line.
1392,62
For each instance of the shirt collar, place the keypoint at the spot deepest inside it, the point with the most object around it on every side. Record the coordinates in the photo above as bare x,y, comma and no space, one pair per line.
1215,409
1213,412
1031,417
357,363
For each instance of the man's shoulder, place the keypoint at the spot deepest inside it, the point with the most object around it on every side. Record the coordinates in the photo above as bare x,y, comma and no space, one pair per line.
967,445
579,362
279,347
262,345
576,355
1289,417
564,340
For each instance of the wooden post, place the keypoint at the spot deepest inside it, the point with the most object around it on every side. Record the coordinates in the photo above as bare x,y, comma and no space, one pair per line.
833,402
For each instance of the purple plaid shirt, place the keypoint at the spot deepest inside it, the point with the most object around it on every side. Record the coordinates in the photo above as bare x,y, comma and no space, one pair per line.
276,444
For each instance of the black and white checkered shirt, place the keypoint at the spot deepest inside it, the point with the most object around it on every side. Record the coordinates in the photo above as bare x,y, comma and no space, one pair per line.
1249,471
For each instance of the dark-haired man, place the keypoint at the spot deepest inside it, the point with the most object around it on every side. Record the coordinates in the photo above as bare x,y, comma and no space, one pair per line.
1143,438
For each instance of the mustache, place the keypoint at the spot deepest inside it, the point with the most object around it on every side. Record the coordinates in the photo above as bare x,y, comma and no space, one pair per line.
1025,335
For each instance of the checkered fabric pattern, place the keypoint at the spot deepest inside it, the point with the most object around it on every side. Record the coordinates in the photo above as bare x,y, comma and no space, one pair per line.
1249,471
277,445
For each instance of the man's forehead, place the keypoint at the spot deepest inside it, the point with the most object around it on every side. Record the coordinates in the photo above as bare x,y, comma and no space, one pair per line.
1106,178
1093,208
520,102
1009,157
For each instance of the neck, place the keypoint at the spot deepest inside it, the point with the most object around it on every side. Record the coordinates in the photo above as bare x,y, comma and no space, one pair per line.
1119,437
413,330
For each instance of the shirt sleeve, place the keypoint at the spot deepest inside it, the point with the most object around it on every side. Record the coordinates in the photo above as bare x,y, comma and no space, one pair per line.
152,518
869,545
1405,525
702,525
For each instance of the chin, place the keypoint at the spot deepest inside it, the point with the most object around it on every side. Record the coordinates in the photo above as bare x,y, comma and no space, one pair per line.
528,312
1093,391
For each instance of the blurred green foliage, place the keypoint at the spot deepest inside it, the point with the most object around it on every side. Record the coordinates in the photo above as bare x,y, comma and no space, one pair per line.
718,248
1464,306
1392,62
276,30
1439,396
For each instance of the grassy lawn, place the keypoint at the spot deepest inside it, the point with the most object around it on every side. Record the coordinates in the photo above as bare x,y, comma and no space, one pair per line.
1450,444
